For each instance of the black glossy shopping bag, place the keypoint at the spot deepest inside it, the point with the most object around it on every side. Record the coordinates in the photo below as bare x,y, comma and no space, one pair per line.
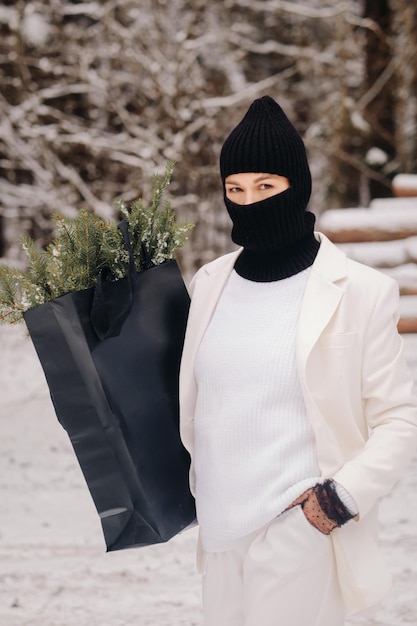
111,358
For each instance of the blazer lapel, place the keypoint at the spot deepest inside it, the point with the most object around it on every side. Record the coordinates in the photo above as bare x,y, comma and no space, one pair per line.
206,293
206,289
324,290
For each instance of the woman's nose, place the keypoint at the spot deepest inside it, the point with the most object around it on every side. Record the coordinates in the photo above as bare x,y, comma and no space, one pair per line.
248,197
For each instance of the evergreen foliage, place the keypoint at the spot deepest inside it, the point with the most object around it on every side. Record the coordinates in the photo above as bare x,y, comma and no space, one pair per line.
87,244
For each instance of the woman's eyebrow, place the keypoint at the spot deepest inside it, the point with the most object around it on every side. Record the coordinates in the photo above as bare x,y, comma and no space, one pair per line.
256,180
264,177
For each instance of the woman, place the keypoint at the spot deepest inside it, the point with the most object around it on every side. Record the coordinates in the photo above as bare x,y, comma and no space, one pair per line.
296,402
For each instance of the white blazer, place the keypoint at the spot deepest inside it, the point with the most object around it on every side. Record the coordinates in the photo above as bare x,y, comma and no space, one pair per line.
357,389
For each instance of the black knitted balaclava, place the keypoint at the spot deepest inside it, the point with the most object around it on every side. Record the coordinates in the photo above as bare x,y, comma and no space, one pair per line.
276,233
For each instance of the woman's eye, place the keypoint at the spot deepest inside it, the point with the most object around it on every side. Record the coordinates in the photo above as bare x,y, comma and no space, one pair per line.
265,186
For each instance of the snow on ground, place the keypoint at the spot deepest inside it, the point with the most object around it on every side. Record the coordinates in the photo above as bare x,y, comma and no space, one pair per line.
53,567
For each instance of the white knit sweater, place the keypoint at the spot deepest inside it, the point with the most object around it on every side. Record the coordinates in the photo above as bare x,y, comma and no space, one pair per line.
254,445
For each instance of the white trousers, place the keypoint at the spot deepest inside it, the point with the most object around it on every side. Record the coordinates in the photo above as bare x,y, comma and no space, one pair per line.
285,576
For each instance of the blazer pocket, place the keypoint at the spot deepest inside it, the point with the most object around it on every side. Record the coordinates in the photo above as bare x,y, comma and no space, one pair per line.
338,340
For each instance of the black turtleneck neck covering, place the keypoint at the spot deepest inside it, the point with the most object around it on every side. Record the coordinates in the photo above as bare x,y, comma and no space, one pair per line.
277,237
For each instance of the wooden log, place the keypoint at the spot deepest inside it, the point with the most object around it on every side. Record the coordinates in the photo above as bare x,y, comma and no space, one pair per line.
406,277
346,225
393,204
404,185
407,326
382,254
408,317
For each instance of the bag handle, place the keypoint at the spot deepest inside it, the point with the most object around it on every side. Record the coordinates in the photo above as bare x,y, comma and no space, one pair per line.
123,226
112,299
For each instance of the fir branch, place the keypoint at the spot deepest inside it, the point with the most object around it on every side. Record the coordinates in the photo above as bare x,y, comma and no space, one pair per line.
10,307
113,252
37,265
65,230
160,185
85,245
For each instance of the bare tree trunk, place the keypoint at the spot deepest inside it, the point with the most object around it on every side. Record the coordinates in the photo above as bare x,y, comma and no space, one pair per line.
405,49
343,189
379,88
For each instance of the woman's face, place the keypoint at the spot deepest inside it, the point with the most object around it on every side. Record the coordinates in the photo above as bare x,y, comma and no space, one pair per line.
251,187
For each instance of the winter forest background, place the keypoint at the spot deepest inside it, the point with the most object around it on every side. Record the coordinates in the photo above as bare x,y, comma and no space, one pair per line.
96,96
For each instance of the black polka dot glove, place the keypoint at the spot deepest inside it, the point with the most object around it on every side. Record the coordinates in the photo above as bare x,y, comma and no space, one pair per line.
323,508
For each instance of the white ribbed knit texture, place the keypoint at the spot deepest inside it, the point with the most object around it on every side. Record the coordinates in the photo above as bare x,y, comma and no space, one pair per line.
254,445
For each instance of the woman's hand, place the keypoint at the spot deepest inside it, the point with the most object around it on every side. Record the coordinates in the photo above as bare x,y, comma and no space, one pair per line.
322,507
